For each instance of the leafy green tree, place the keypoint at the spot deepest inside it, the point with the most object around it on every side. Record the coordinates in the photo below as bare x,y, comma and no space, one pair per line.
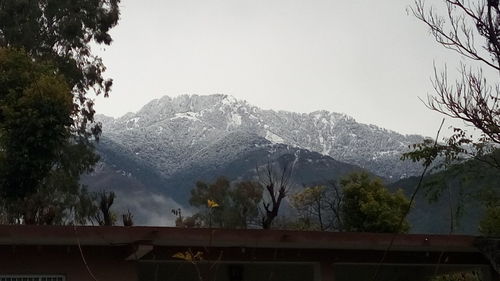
46,119
63,32
224,204
85,209
368,206
38,152
490,223
319,207
245,196
35,108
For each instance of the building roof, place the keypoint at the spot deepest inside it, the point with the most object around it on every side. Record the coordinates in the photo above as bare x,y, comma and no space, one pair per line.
250,238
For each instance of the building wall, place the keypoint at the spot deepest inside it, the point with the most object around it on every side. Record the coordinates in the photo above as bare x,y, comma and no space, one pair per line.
107,264
415,272
226,271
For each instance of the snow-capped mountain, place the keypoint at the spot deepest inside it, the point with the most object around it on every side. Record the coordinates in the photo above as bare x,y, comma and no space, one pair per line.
173,134
152,158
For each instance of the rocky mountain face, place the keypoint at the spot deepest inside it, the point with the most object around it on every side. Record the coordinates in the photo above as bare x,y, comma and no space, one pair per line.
171,134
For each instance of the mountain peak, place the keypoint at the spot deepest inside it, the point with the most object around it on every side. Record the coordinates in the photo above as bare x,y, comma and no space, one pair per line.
187,123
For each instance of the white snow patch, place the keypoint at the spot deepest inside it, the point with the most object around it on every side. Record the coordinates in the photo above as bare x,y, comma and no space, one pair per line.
188,115
273,137
228,100
132,123
235,120
380,154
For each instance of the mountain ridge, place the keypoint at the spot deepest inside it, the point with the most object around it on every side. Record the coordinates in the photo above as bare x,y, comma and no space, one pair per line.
191,122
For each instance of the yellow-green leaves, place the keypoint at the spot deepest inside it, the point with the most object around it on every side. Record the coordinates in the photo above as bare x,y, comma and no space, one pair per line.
212,204
189,256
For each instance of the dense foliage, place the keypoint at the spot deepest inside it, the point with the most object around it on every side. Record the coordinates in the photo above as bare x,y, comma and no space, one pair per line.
368,206
36,109
454,199
62,32
46,119
319,207
38,151
224,204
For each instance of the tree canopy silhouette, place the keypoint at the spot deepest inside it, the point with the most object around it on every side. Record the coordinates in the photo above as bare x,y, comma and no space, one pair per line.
47,70
62,31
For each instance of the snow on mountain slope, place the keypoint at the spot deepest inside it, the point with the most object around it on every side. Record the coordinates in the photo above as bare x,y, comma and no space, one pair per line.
237,156
172,134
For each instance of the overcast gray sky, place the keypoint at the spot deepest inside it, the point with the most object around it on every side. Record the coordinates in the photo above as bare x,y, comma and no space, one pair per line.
368,59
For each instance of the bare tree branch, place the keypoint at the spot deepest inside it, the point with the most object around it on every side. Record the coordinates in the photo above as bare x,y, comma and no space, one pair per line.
277,187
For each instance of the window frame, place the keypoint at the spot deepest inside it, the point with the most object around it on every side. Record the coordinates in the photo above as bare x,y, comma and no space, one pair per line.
34,277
